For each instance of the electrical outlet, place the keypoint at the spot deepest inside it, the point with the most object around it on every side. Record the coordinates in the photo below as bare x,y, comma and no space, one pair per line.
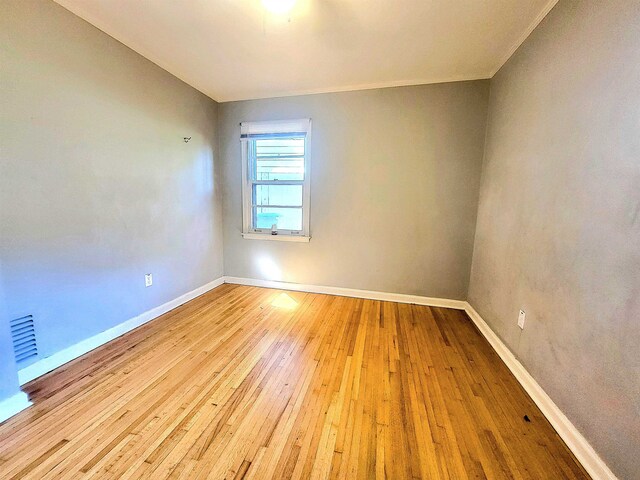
148,279
521,319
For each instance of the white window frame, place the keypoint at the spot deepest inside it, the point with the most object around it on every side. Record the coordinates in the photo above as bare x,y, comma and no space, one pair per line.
249,129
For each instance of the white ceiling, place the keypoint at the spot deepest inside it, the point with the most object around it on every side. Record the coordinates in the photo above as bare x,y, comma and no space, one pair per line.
235,50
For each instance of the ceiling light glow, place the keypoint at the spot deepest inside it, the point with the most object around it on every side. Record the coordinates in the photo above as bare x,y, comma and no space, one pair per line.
278,7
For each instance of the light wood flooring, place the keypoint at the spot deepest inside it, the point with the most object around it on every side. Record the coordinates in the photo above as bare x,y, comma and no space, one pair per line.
255,383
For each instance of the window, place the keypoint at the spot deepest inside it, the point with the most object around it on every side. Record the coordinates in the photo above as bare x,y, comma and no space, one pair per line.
275,171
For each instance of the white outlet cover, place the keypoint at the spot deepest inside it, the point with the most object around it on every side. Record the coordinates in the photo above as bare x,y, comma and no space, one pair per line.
148,280
521,319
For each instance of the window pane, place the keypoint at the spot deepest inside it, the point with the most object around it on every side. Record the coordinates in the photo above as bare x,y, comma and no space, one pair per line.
282,195
283,218
279,158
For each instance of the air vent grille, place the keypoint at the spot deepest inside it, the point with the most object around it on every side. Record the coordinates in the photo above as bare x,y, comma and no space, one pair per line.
24,338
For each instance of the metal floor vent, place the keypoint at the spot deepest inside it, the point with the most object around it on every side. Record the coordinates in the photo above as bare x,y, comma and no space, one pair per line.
24,338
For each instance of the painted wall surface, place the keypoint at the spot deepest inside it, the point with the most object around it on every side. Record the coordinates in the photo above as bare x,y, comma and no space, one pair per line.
97,186
394,186
559,218
8,371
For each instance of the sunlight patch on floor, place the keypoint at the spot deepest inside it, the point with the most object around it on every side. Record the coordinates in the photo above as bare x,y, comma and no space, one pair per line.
284,301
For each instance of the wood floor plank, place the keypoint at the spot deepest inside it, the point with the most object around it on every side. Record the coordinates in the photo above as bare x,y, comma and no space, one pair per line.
252,383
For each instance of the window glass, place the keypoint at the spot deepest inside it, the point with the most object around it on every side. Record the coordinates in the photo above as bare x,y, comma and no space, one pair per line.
279,159
278,195
282,218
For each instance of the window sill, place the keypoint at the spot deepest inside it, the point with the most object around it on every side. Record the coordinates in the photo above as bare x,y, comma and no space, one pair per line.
277,238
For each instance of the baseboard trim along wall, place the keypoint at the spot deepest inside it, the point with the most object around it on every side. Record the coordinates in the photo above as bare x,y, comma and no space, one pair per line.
579,445
12,405
74,351
350,292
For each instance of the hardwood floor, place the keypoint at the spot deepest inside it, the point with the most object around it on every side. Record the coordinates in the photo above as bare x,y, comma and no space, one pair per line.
245,382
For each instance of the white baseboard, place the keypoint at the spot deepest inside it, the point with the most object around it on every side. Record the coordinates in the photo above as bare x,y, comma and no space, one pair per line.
12,405
579,445
74,351
350,292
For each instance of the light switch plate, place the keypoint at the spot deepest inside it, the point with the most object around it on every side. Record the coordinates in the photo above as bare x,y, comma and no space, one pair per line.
521,319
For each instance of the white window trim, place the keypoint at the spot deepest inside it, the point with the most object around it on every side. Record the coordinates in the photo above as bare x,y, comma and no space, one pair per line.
278,238
283,126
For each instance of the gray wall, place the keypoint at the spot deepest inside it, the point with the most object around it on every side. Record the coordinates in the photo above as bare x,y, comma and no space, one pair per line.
97,187
394,189
559,218
8,371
